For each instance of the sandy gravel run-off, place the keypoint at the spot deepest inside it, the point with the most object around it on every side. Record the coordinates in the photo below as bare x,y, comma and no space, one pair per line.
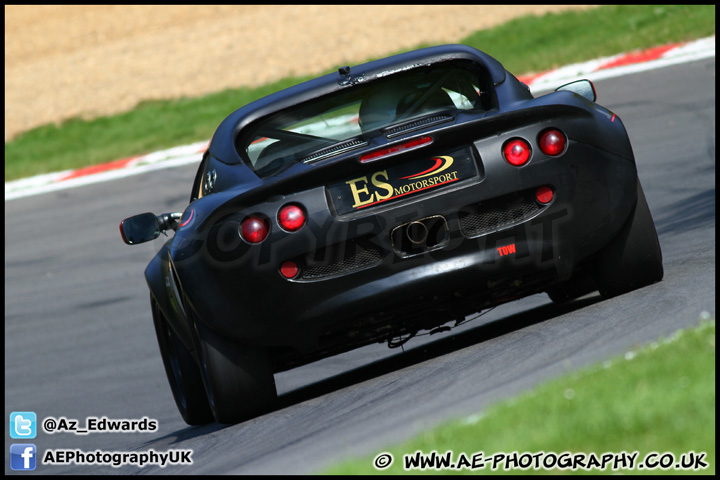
92,60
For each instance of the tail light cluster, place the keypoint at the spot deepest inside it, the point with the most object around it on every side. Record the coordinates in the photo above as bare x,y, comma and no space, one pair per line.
517,151
291,218
255,228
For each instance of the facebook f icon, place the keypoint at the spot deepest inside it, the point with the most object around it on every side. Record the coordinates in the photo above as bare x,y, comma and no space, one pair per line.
23,425
23,456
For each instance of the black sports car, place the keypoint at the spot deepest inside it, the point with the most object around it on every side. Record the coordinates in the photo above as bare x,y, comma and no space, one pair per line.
378,201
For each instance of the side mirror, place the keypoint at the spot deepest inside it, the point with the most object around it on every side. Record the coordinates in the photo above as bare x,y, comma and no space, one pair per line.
140,228
584,88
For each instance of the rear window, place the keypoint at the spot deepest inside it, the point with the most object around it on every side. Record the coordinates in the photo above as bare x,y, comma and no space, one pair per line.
332,124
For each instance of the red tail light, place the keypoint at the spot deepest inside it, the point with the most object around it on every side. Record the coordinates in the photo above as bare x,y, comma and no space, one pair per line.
517,152
544,195
254,229
289,269
414,143
291,218
552,142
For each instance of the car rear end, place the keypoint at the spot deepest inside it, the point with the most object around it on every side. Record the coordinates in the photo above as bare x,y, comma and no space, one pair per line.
374,223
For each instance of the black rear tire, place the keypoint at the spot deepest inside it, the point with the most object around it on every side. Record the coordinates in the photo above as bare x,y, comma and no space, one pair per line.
182,372
238,379
633,259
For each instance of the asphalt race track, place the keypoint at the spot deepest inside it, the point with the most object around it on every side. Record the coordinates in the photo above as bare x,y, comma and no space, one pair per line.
79,340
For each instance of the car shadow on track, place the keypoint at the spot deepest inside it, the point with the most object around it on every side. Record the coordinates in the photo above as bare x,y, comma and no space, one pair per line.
448,344
437,348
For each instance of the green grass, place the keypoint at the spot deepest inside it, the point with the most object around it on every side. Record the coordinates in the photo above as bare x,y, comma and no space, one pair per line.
659,398
152,126
523,45
535,44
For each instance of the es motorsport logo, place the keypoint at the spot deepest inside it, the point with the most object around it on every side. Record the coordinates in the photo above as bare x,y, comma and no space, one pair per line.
399,181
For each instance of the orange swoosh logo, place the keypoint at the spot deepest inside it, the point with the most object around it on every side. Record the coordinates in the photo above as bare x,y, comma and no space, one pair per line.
437,168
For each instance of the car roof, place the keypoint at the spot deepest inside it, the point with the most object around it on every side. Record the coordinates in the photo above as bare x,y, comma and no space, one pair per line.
222,143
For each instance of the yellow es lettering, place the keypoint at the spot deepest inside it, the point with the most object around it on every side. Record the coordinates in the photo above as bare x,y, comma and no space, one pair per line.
361,193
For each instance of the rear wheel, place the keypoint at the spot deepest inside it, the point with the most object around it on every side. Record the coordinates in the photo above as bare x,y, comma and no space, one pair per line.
182,373
633,259
238,379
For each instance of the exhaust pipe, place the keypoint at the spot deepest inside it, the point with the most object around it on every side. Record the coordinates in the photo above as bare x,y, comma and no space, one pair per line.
420,236
416,232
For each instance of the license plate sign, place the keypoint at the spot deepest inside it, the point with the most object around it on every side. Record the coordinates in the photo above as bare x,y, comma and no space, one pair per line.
401,181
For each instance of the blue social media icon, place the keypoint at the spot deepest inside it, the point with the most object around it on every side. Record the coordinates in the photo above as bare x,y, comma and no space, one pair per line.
23,456
23,425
